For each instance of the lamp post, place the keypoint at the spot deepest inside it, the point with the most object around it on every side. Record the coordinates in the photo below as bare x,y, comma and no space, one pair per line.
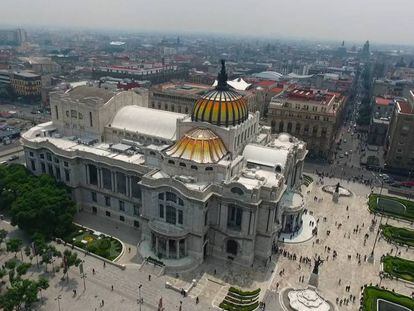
140,299
58,298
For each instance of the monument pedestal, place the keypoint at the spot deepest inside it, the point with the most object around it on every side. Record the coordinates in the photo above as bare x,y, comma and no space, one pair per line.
335,197
314,280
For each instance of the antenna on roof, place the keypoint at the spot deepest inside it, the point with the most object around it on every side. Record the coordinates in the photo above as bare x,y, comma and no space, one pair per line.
222,78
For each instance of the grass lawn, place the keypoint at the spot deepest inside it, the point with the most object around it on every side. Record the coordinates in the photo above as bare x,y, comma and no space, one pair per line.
391,206
398,235
372,294
239,300
399,268
96,243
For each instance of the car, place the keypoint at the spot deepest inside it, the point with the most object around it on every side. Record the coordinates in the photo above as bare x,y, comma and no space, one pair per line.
345,141
13,157
346,154
341,155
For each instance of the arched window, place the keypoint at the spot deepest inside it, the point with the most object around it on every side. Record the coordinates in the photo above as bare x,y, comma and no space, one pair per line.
289,127
193,167
297,128
273,125
171,162
183,164
209,168
237,190
278,169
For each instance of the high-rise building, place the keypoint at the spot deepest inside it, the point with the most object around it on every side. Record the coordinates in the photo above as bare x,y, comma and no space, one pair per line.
12,36
399,145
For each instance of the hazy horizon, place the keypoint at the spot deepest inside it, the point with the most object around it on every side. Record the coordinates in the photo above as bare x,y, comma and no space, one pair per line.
379,21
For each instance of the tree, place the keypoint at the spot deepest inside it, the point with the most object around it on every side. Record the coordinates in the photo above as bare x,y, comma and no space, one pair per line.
22,269
22,291
69,259
14,245
48,254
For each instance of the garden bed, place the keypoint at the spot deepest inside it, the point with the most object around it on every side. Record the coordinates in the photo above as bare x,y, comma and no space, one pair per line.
307,180
391,206
239,300
372,294
399,268
95,242
400,236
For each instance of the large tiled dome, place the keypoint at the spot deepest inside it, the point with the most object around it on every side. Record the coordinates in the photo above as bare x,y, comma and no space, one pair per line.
199,145
222,107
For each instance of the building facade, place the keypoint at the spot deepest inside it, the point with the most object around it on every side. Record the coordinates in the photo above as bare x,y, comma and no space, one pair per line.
209,183
399,144
26,84
312,115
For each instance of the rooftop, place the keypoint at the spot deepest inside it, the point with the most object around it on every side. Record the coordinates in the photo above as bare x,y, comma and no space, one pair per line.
26,74
183,88
405,107
146,121
381,101
83,91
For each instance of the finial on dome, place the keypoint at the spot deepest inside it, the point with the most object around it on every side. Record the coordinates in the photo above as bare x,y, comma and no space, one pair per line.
222,78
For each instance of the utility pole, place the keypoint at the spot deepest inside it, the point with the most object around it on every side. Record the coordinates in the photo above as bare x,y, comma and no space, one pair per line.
140,299
58,298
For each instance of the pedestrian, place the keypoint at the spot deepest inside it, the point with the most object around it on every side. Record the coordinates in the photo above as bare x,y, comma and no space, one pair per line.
112,288
102,303
129,249
149,277
74,292
197,300
104,264
93,271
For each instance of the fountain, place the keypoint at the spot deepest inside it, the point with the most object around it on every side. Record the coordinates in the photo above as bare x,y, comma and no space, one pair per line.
307,300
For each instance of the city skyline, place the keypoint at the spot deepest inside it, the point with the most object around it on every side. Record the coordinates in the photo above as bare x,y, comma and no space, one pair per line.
319,20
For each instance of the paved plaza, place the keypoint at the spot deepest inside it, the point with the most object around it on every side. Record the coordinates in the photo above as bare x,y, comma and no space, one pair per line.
214,277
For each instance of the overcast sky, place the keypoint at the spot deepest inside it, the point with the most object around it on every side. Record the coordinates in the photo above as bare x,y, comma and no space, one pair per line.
382,21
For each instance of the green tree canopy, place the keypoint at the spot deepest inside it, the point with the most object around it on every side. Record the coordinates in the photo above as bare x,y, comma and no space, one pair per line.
36,204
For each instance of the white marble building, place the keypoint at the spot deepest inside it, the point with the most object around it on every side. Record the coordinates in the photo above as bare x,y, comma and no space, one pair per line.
213,183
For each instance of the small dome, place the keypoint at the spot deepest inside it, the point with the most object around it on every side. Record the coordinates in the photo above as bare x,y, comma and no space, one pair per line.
222,107
199,145
284,137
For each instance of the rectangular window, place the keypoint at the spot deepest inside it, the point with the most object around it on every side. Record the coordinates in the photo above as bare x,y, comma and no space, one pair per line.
58,175
50,169
171,216
90,119
107,179
107,201
121,182
56,160
31,154
65,164
93,174
161,211
121,206
94,198
180,217
121,218
56,112
206,218
107,213
234,217
42,156
74,114
33,165
136,223
43,166
136,210
136,188
48,156
67,175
